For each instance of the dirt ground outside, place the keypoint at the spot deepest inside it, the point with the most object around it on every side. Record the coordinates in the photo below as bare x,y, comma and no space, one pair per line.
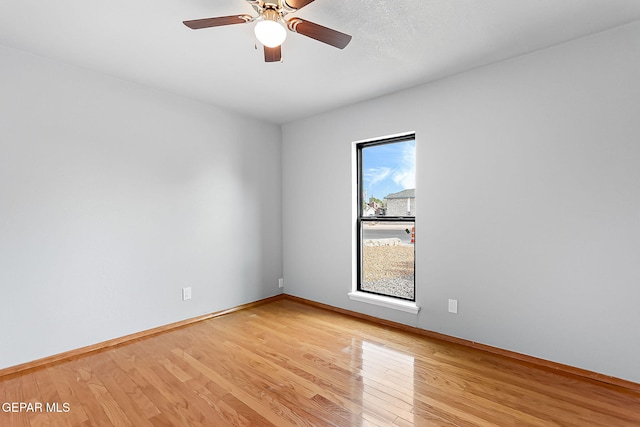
389,270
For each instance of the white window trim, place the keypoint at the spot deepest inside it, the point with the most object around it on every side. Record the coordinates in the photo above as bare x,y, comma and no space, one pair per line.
384,301
366,297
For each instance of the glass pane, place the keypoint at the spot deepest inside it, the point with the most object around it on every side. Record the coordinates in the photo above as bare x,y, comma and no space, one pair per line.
389,179
388,258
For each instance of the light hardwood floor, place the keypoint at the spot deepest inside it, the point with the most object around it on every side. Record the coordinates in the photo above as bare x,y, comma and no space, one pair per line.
289,364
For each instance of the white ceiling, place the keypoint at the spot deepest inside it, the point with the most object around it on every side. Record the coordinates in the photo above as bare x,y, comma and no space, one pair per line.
396,44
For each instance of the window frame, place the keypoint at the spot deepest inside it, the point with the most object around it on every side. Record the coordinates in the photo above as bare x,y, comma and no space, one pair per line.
361,219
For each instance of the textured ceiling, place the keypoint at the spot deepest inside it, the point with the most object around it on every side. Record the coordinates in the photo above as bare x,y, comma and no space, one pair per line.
396,44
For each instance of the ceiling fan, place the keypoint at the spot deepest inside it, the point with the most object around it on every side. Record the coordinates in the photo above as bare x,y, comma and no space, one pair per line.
270,26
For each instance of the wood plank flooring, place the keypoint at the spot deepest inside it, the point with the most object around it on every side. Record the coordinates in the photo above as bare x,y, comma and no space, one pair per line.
289,364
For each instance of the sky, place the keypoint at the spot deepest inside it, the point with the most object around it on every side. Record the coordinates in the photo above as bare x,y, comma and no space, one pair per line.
389,168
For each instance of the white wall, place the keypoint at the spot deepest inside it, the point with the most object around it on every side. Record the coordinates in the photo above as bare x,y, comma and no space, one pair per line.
114,196
528,193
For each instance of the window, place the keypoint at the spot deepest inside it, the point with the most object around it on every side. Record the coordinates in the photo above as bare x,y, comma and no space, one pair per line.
386,217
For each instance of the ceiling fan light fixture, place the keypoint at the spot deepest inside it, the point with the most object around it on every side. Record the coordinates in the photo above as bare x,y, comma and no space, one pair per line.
272,24
270,33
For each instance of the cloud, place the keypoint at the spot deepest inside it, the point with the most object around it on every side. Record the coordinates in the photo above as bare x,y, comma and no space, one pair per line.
405,178
373,176
391,168
405,174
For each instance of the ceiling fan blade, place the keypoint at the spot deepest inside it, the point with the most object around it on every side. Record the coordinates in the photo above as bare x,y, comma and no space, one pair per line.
318,32
297,4
272,54
196,24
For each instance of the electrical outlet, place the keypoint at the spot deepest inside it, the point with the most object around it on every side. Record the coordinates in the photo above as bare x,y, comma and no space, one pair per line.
186,293
453,306
281,283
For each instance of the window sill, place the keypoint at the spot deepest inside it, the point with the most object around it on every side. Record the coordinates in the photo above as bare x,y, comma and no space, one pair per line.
382,301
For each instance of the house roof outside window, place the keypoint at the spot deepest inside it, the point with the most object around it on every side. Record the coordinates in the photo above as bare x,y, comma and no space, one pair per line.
411,192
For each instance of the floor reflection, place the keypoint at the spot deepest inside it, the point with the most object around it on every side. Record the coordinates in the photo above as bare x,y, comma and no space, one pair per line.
387,383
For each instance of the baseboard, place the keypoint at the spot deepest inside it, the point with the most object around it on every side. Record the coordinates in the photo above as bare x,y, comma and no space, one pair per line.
541,363
74,354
